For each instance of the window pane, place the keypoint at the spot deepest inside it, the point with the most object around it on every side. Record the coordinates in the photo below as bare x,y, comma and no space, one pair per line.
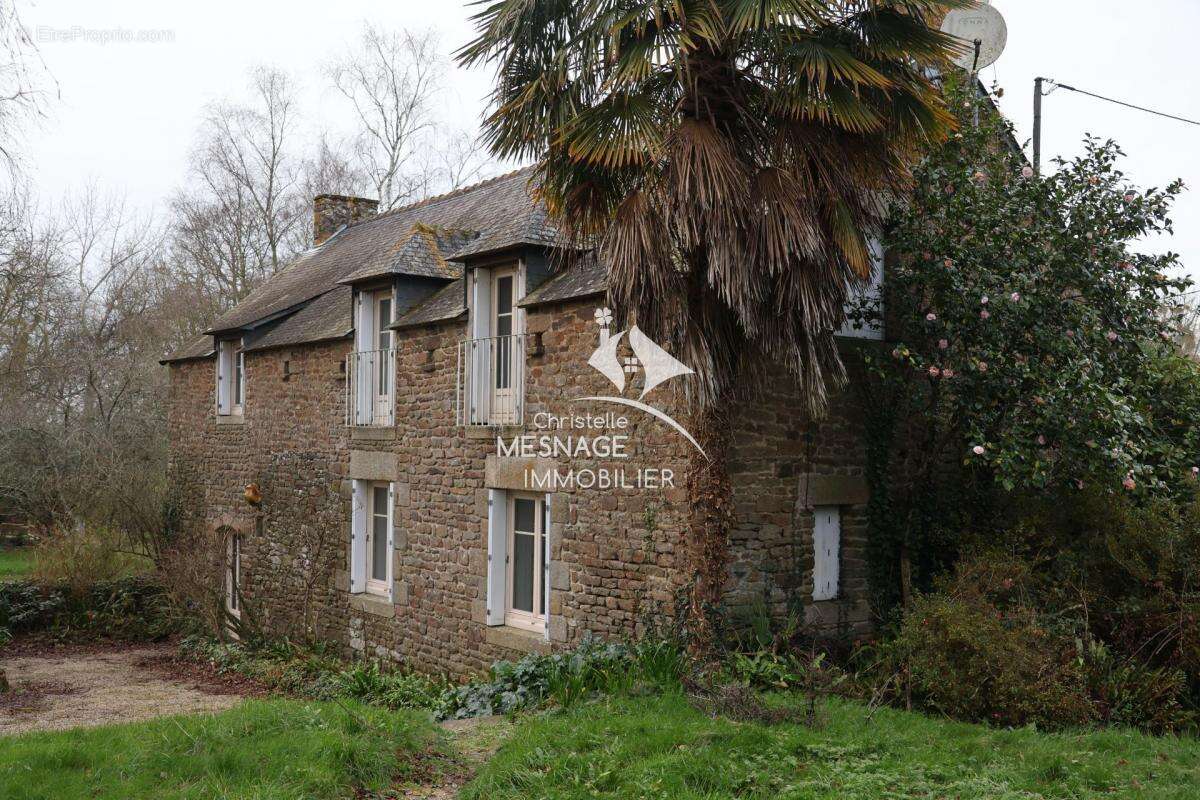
379,500
523,546
504,295
379,537
523,518
385,319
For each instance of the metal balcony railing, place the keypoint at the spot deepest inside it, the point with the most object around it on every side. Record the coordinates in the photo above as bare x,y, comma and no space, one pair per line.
491,381
371,388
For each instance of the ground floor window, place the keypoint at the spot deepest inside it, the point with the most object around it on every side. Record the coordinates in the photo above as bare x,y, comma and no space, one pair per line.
233,575
372,538
518,560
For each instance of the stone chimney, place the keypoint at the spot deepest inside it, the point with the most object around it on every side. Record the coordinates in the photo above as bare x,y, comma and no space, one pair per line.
332,211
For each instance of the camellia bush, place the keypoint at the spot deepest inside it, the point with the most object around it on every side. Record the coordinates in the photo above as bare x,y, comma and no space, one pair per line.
1032,343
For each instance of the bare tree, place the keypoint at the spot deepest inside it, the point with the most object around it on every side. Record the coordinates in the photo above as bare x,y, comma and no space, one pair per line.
23,82
391,81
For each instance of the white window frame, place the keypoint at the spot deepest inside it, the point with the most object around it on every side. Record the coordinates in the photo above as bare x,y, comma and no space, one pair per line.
362,551
233,575
375,373
827,553
534,620
485,351
872,292
231,378
501,533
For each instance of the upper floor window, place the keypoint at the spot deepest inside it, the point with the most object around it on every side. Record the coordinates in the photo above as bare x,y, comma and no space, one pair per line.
231,377
371,366
864,308
492,360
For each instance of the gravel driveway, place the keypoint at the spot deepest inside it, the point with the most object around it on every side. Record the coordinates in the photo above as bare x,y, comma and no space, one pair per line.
55,691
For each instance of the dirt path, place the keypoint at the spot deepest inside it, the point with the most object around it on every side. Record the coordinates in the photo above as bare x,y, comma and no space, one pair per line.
473,741
82,688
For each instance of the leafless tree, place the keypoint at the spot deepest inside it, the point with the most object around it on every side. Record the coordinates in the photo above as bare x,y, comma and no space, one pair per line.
25,83
391,80
234,223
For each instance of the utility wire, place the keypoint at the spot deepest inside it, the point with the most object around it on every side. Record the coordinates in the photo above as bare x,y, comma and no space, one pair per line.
1122,103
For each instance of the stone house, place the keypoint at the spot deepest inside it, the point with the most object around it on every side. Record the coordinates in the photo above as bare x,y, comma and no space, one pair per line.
446,480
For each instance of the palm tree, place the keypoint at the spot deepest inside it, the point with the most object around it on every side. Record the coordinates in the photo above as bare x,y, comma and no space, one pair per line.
728,160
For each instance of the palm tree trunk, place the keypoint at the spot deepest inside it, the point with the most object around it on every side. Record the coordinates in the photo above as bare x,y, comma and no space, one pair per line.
711,514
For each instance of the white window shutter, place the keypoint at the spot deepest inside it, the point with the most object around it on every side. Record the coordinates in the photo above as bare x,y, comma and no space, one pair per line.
481,351
224,377
497,572
827,536
391,535
358,538
364,366
546,565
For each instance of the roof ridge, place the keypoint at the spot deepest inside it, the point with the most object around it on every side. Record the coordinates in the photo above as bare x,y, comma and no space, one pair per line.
437,198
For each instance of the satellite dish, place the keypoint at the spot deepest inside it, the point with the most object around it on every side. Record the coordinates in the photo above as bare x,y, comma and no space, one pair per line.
982,26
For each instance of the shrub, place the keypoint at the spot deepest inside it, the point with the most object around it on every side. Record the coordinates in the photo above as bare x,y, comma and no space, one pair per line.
1126,692
82,559
134,608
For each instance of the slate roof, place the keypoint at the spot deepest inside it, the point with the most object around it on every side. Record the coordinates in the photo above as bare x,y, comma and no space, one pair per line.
501,208
309,300
447,303
201,347
326,317
583,278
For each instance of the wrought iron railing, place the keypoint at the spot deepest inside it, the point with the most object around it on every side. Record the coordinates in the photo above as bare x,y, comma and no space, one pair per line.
491,381
371,388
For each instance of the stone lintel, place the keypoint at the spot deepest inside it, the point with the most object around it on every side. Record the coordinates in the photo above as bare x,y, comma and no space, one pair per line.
367,465
830,490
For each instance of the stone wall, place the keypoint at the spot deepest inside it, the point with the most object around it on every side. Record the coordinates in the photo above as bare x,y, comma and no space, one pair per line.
617,555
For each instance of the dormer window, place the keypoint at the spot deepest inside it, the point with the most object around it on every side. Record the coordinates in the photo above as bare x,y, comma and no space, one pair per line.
492,360
372,364
231,378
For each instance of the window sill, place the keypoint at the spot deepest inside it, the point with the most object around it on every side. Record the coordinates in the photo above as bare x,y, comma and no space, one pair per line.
492,431
231,419
374,604
517,639
372,433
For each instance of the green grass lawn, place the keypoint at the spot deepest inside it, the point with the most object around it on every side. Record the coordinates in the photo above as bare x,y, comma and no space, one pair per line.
15,564
260,750
656,748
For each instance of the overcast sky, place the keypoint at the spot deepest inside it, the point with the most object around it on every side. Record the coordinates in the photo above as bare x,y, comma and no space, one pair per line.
129,109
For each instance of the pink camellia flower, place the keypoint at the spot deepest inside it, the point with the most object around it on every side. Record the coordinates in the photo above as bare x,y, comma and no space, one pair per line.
896,353
1015,297
1041,440
977,450
983,301
943,344
1078,484
1070,334
947,373
1129,197
1195,471
981,366
1129,482
1125,265
934,372
984,314
980,177
949,262
1111,336
1027,171
931,317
